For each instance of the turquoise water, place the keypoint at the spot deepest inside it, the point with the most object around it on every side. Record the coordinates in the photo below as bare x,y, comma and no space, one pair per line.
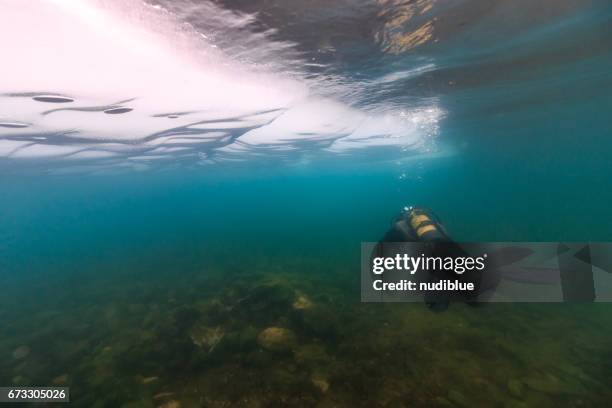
155,286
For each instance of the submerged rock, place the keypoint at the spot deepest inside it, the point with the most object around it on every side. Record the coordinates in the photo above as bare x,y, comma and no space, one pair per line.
148,380
320,320
162,395
20,380
516,388
270,297
443,402
185,317
550,384
248,337
311,354
320,382
171,404
21,352
302,302
276,339
458,398
206,337
60,380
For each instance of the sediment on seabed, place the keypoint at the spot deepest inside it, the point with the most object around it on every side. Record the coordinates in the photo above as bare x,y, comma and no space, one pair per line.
292,339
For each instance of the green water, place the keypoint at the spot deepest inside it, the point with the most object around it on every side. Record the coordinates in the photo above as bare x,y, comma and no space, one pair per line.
140,291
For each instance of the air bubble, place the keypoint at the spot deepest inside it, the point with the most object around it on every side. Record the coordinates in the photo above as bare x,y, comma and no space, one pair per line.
117,111
52,99
13,125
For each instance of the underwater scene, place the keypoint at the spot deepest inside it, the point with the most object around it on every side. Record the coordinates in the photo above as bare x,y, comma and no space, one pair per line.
185,186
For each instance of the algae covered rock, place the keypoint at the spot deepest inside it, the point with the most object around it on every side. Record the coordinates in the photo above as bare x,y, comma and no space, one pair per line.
149,380
302,302
321,320
516,388
457,398
247,337
443,402
262,304
20,380
270,295
184,317
206,337
551,384
171,404
320,382
276,339
21,352
311,354
60,380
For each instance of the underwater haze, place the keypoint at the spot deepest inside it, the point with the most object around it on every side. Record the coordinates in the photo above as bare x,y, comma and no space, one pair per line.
186,184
